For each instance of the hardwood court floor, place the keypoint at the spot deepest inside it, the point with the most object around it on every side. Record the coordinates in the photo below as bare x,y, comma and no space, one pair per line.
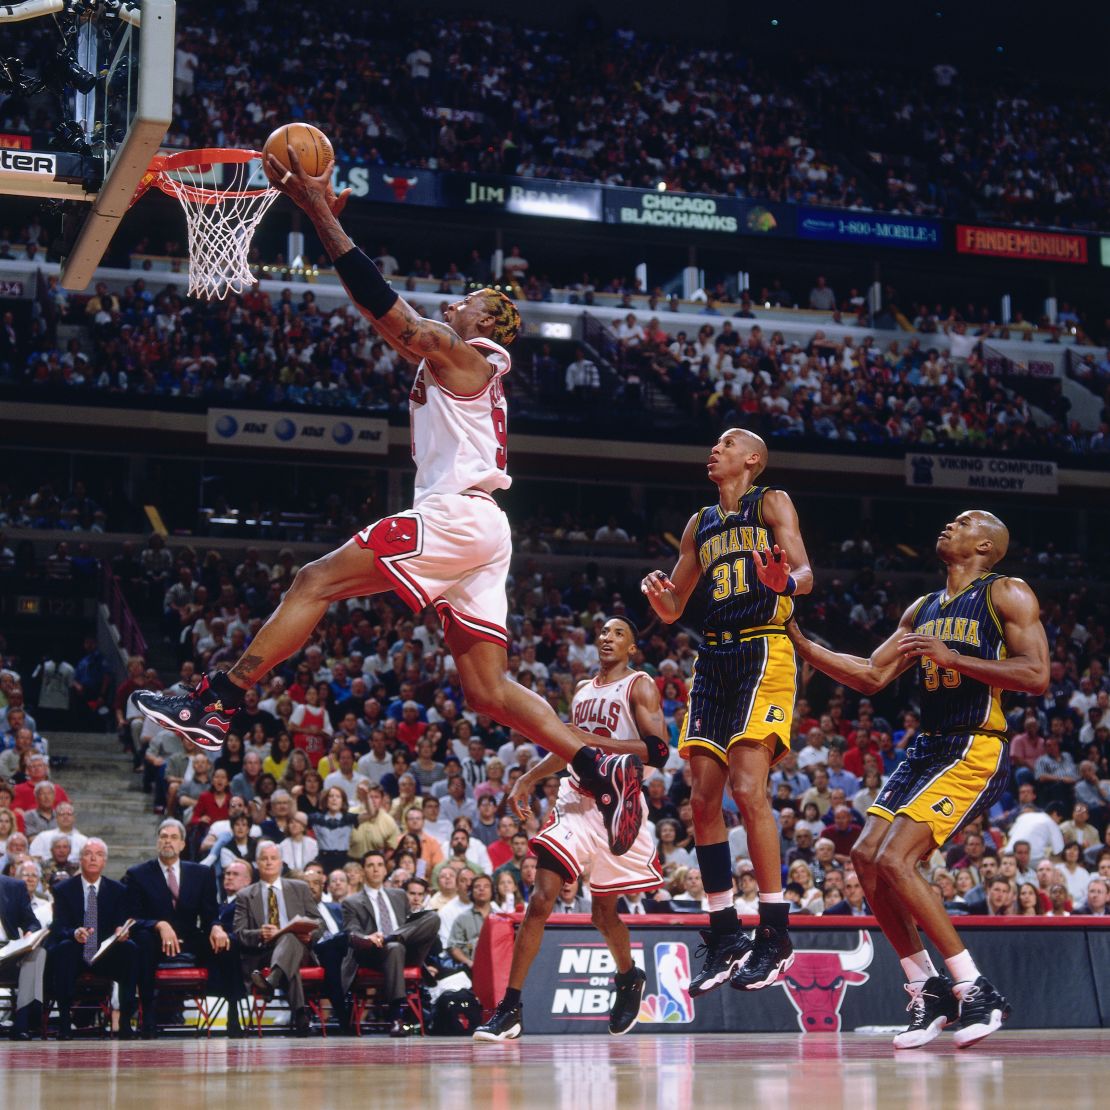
1011,1070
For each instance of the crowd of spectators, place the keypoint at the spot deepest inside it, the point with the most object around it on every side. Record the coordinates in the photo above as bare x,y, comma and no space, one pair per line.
928,390
610,105
363,743
933,389
615,107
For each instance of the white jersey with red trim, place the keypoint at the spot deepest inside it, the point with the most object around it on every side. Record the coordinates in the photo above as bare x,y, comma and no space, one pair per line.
605,709
459,443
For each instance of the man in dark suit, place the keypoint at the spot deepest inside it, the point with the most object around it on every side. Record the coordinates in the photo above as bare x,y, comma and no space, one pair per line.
174,906
87,910
853,904
227,964
386,935
16,918
262,911
331,948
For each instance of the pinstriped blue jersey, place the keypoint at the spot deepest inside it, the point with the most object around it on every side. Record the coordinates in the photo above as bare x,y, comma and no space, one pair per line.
967,623
724,543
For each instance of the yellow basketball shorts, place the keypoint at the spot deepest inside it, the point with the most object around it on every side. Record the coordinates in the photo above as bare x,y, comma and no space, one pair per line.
945,781
742,690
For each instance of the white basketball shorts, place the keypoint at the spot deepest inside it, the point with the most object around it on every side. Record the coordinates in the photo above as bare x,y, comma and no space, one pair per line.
574,833
451,552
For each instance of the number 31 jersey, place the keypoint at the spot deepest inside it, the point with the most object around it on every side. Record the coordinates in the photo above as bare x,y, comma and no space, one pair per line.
952,703
736,601
459,442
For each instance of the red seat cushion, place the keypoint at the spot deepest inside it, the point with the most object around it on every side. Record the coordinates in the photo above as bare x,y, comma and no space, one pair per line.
183,976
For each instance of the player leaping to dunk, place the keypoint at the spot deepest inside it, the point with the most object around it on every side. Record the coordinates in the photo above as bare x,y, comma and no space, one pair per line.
618,704
980,635
451,550
747,550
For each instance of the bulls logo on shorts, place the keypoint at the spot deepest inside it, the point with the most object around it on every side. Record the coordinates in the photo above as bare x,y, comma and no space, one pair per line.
392,535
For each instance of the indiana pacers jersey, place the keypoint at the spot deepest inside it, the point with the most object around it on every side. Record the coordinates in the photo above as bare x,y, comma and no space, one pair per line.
736,601
745,678
967,623
958,765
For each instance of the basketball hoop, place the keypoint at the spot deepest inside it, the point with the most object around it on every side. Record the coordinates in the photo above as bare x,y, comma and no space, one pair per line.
222,214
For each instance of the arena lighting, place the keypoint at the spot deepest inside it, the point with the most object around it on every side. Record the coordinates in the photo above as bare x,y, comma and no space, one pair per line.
560,209
661,186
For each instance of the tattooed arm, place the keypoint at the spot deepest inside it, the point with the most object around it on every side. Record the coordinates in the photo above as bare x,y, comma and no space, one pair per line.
461,368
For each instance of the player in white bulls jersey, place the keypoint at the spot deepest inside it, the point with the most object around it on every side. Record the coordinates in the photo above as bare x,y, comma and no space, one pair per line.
619,704
451,550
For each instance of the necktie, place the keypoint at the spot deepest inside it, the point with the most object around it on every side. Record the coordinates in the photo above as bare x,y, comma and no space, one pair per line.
90,924
172,883
274,917
384,923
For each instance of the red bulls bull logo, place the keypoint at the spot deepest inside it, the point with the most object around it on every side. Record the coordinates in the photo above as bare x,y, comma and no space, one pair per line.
817,980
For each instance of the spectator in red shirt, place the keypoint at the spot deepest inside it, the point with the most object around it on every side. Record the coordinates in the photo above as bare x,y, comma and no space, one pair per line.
853,757
803,717
501,850
843,832
410,728
669,672
37,771
213,804
1027,747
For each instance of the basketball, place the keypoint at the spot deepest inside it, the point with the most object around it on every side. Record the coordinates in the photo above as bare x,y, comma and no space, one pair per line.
312,146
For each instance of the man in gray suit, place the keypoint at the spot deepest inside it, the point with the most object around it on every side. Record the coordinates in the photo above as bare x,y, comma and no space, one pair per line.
261,911
385,935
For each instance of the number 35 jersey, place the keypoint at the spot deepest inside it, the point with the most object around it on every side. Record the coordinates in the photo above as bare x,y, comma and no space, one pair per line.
967,623
725,545
459,442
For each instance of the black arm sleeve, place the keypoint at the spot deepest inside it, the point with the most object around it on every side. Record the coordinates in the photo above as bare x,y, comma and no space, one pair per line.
365,283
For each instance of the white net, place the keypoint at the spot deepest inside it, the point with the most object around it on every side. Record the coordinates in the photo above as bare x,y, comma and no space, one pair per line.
222,221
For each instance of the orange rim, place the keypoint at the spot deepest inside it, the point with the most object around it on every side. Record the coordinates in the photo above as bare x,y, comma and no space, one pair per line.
162,165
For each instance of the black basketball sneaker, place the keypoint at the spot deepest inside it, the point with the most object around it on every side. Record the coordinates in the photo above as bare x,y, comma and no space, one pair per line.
617,789
506,1023
723,953
932,1007
772,954
199,715
982,1012
625,1011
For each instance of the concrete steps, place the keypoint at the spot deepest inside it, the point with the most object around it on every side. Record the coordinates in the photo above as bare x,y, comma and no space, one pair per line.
106,795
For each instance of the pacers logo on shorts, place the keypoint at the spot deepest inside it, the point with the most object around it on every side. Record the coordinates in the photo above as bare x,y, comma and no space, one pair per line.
944,807
775,713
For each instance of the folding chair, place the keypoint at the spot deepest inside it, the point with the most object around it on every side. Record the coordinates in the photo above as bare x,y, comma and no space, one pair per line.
367,981
312,979
192,984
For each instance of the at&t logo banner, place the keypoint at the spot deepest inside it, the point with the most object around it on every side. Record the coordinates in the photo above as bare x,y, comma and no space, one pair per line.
297,431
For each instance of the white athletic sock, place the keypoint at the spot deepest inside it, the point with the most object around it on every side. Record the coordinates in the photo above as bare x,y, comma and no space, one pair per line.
918,967
718,900
963,970
774,896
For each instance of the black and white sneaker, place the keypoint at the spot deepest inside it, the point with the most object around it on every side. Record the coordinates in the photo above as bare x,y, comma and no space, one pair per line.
772,954
505,1024
724,952
625,1011
982,1012
932,1007
199,715
617,789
